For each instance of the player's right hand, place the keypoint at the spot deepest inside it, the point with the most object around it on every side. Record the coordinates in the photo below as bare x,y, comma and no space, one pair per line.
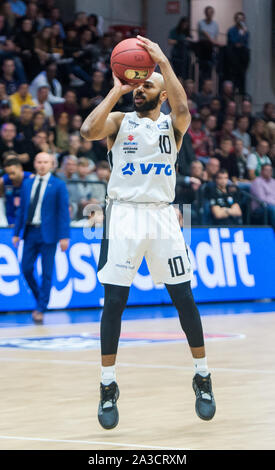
123,88
15,241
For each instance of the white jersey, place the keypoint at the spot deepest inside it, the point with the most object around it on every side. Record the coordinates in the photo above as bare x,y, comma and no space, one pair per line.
143,159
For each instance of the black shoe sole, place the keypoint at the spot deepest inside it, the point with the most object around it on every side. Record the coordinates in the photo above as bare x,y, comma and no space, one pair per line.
109,427
204,418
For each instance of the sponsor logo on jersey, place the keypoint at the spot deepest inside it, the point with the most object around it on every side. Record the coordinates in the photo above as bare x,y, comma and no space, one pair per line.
145,169
163,125
128,169
130,146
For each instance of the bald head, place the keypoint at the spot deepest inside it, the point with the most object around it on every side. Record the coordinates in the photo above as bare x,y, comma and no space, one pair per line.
157,79
43,163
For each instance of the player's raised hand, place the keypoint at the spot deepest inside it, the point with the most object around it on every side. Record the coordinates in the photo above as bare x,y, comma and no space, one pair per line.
123,88
153,49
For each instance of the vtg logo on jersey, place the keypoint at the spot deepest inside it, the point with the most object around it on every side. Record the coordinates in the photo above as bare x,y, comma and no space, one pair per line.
145,169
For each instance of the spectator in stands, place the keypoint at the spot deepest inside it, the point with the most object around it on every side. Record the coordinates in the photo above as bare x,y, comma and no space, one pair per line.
69,106
95,24
91,95
87,150
62,133
24,42
204,112
238,51
199,138
34,15
82,191
54,19
6,113
10,184
9,76
211,169
231,110
80,20
24,125
76,123
257,159
189,86
226,131
227,93
8,14
241,156
215,110
208,31
268,112
206,94
73,149
57,48
41,142
224,205
263,187
8,142
48,78
42,46
43,104
226,158
246,110
258,132
21,98
179,39
40,122
68,169
209,176
102,174
210,131
186,155
241,132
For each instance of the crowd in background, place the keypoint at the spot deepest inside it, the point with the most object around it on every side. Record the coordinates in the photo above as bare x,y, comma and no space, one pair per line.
54,73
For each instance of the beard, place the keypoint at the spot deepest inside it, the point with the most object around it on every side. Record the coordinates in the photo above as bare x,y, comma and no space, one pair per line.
147,105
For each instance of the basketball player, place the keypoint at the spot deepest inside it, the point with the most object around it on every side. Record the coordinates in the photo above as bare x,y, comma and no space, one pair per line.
143,148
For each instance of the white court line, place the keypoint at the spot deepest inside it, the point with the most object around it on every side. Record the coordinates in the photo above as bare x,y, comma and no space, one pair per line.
71,441
138,366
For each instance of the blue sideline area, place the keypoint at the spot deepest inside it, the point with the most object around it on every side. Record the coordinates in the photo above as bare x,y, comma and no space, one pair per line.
10,320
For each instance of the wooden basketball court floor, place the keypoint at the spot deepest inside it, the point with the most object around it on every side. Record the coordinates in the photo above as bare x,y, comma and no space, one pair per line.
50,377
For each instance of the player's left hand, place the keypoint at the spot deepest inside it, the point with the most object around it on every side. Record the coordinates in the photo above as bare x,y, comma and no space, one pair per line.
152,48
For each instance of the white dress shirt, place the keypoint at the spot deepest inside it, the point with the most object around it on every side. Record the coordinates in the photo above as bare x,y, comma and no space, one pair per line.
37,214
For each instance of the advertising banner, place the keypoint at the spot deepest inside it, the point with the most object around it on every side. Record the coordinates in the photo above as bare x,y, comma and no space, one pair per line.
228,264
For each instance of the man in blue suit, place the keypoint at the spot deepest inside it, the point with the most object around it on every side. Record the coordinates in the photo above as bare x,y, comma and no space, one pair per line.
42,220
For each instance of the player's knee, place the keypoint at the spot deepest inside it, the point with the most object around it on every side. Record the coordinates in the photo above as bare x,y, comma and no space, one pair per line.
180,293
115,300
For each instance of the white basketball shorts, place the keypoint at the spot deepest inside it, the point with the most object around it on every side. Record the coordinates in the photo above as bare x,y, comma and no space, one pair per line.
132,231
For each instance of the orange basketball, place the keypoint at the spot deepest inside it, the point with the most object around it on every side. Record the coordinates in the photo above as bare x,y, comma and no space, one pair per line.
131,63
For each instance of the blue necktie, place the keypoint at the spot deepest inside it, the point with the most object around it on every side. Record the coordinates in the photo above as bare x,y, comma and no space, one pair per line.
34,202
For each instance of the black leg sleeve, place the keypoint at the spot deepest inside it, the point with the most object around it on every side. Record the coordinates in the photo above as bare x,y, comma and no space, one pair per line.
182,297
115,301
